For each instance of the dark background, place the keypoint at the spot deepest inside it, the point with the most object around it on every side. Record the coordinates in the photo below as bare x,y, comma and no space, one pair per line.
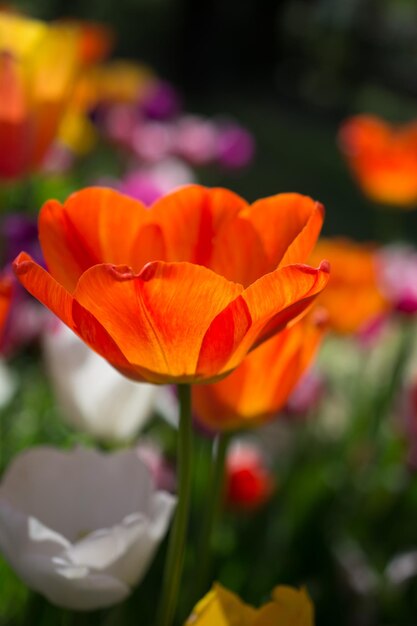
290,71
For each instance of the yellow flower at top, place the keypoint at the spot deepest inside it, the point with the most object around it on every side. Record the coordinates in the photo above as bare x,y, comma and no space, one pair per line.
38,66
220,607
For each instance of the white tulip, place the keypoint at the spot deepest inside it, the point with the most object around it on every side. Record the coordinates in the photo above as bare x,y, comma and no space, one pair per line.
81,527
93,396
7,384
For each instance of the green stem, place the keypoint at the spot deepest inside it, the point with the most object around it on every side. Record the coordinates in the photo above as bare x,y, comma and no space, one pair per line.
213,500
383,402
176,547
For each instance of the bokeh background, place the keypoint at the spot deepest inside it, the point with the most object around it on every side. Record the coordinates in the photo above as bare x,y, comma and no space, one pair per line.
290,71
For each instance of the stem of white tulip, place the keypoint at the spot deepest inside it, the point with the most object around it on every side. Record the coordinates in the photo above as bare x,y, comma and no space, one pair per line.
176,548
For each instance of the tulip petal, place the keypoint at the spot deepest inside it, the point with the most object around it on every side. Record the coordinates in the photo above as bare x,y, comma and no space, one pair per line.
48,291
288,225
190,219
44,287
159,317
277,299
95,225
244,398
238,253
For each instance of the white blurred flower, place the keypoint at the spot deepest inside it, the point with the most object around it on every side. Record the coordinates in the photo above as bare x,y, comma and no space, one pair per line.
7,384
93,396
81,527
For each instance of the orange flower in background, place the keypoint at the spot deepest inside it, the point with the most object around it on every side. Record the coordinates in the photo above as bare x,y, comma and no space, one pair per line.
38,64
221,607
182,291
352,298
260,386
97,42
6,292
383,159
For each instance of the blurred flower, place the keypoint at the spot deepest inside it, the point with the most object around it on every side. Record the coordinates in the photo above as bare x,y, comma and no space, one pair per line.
19,231
220,607
38,66
8,384
249,481
204,277
96,41
383,159
162,472
147,184
152,140
162,101
352,298
196,139
26,322
235,146
81,527
120,81
260,386
307,393
397,271
6,293
93,396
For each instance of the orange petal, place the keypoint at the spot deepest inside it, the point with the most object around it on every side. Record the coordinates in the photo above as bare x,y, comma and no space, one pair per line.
288,225
45,288
223,337
158,318
95,225
238,253
261,384
191,217
277,299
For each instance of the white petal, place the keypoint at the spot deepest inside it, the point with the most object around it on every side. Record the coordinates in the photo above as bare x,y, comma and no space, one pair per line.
8,384
93,396
68,491
126,549
48,498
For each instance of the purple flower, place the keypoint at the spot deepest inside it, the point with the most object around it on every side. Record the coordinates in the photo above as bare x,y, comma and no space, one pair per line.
162,101
235,146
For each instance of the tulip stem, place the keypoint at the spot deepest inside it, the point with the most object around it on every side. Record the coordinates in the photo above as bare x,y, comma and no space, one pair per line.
176,548
209,519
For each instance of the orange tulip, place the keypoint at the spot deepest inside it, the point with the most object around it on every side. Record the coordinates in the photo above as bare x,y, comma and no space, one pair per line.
38,64
260,386
352,298
6,291
383,159
182,291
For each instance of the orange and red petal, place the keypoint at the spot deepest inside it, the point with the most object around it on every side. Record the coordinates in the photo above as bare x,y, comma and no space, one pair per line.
191,217
276,300
48,291
260,386
95,225
158,318
238,253
288,225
